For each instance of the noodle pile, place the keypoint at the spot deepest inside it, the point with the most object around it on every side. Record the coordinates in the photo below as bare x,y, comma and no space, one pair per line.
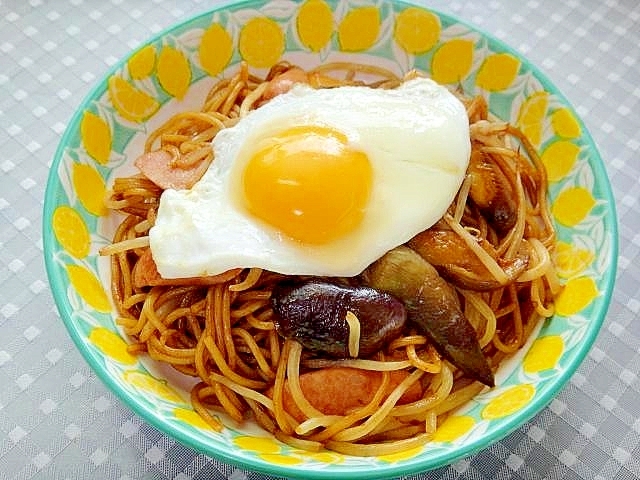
222,332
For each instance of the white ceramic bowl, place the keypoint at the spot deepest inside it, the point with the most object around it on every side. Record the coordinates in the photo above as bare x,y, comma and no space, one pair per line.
104,137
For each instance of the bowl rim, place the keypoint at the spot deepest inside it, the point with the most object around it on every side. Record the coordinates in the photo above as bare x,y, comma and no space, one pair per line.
411,465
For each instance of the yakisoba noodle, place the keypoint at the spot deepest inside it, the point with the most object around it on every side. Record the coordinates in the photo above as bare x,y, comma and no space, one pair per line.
220,329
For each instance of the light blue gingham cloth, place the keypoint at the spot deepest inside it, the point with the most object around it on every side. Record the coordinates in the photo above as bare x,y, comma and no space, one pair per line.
57,420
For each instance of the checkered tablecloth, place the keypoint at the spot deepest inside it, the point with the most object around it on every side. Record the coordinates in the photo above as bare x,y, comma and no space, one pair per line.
57,420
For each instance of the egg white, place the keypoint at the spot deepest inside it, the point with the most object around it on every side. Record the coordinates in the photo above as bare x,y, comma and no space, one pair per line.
416,138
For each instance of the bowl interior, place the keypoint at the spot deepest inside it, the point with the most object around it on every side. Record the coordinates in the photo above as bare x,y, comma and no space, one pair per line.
172,73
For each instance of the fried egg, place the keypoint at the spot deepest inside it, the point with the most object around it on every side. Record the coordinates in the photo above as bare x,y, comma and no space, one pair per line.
318,182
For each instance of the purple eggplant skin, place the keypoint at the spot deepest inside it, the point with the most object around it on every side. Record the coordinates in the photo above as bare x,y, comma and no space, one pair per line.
314,313
432,305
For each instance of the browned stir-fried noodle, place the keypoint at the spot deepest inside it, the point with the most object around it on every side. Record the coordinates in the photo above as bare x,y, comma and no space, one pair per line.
222,332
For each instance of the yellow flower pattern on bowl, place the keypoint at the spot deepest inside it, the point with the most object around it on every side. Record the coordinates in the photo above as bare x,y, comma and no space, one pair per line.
168,73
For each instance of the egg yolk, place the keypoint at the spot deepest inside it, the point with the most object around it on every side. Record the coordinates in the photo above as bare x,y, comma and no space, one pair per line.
308,183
